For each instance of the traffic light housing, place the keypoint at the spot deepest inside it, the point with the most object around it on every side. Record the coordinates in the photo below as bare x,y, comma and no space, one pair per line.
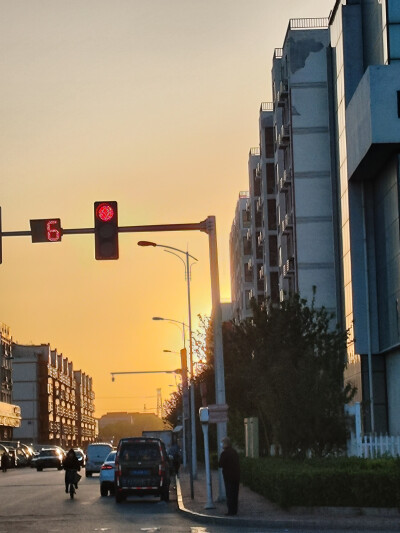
106,230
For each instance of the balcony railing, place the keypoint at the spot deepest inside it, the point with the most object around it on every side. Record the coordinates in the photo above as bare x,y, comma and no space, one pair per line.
286,224
308,23
288,268
285,180
267,106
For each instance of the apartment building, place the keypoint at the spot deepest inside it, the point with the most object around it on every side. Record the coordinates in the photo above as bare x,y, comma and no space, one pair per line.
240,246
365,45
10,414
56,402
335,210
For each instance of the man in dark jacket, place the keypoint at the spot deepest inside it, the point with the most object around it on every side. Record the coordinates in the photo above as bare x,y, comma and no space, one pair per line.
229,462
4,461
71,465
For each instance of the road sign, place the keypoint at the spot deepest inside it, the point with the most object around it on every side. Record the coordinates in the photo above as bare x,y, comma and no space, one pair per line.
218,413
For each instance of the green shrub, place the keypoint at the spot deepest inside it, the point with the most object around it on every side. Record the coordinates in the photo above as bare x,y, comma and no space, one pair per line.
344,482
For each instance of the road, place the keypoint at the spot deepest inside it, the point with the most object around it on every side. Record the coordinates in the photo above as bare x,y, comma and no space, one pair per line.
36,502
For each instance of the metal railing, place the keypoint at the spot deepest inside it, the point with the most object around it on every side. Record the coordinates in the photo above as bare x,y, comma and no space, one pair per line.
307,23
267,106
255,151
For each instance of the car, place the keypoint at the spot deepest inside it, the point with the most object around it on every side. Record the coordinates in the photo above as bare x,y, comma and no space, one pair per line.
107,474
81,456
12,460
95,456
141,468
49,458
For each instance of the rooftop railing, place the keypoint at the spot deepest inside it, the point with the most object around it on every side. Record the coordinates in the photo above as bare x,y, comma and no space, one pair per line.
267,106
301,24
255,151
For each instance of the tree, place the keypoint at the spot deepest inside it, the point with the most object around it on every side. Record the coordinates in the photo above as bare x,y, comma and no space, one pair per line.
285,365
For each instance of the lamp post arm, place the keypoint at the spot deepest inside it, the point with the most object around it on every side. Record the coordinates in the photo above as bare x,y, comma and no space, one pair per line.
178,256
177,250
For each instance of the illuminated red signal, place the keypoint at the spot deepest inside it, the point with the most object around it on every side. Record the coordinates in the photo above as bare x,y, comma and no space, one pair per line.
104,212
46,230
106,230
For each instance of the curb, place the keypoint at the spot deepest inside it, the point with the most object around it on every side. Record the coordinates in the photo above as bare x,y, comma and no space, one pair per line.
313,524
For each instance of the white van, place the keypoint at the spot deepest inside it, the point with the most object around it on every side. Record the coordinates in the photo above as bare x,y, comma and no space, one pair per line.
96,454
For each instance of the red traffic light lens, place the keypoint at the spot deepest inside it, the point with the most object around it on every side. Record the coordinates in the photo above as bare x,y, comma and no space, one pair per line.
104,212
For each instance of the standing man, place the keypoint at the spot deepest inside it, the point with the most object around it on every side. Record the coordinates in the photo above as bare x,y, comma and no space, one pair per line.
229,462
4,461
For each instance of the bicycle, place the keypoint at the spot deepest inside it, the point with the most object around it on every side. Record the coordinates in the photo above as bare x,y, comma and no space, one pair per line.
71,479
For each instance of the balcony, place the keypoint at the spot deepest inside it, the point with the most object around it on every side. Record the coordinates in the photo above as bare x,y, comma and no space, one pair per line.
248,235
261,273
288,268
250,264
260,239
259,204
287,224
258,170
284,137
282,94
286,180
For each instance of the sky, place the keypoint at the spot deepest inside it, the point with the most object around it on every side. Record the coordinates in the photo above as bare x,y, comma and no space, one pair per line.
150,103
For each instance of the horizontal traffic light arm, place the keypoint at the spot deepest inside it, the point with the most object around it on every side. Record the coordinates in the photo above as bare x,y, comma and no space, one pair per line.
202,226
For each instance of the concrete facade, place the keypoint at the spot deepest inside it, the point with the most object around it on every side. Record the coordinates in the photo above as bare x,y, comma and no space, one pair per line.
334,208
10,414
56,402
241,252
367,110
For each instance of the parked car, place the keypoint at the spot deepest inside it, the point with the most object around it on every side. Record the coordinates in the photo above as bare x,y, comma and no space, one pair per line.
141,468
49,458
12,461
22,457
23,452
96,453
81,456
107,474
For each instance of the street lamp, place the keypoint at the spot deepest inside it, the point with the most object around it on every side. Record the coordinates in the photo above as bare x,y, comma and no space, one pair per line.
175,322
192,398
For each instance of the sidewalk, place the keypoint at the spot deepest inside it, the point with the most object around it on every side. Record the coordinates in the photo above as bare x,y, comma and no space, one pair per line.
256,511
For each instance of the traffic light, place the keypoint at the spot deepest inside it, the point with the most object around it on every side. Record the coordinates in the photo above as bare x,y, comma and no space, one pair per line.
46,230
106,230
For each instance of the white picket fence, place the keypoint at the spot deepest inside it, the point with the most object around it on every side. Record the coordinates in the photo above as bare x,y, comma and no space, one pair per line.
371,446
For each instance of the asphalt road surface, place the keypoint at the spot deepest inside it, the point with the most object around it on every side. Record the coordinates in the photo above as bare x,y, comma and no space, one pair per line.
36,502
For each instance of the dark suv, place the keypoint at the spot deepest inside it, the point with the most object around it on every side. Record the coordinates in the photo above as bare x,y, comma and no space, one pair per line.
141,468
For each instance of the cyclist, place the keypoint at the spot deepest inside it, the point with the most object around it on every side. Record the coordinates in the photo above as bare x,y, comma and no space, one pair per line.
71,465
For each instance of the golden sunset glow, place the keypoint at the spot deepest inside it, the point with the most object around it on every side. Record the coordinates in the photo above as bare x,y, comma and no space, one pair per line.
153,104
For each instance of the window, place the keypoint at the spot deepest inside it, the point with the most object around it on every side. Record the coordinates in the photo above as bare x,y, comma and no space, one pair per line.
269,142
273,251
274,290
270,179
398,104
271,214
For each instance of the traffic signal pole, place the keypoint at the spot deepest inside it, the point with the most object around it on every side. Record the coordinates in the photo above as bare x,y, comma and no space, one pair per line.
207,226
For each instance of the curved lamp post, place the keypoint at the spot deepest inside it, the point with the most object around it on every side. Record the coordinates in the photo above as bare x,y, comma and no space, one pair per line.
192,406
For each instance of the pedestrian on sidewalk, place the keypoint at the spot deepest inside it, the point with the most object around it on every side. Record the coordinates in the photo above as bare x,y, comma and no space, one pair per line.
4,461
229,462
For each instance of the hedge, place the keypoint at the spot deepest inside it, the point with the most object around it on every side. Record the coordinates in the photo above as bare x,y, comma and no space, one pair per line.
343,482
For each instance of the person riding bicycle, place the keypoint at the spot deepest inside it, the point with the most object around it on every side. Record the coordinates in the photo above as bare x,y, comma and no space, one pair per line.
71,466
